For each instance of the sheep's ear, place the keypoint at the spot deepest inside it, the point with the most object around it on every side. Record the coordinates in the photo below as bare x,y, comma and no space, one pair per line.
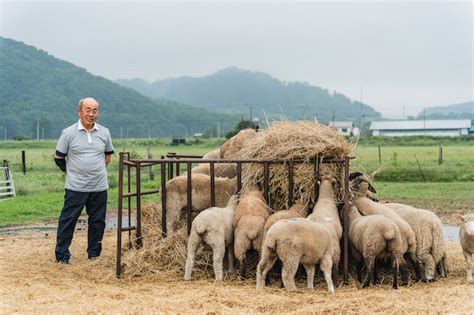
372,189
354,175
458,217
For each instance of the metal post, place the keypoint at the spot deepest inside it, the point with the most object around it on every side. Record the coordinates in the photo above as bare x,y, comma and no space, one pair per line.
139,240
118,267
23,161
163,199
129,201
239,177
266,171
189,198
290,184
440,155
213,192
380,156
346,220
316,179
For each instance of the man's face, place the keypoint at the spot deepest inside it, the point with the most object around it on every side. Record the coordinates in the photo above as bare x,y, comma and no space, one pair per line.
88,113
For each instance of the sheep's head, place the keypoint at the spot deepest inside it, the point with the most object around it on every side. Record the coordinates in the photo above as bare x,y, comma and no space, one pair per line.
467,222
361,183
329,177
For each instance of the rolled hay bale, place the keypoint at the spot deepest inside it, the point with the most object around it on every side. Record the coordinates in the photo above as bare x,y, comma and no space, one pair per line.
292,140
231,148
160,255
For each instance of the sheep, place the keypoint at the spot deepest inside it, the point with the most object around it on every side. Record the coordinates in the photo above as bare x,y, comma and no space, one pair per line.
228,170
213,227
297,241
249,220
232,146
212,155
298,210
466,238
369,207
430,245
325,212
176,195
375,237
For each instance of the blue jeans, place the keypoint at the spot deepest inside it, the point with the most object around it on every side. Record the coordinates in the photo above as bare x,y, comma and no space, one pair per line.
74,202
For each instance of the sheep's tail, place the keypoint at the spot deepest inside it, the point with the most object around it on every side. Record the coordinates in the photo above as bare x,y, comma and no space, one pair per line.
253,226
199,228
390,237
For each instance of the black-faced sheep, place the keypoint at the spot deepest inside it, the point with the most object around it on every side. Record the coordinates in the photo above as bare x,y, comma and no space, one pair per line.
430,245
375,237
369,207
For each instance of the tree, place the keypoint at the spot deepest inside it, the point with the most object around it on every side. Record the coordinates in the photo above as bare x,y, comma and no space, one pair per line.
241,125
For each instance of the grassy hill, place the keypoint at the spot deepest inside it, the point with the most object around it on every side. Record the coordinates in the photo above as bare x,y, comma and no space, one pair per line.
240,91
37,87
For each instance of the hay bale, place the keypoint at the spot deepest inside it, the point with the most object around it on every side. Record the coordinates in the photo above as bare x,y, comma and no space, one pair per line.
162,255
292,140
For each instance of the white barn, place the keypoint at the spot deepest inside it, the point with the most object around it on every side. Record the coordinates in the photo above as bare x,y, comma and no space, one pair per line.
344,127
401,128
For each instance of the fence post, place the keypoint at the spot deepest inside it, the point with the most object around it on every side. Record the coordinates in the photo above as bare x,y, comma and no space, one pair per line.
23,162
151,171
380,156
440,155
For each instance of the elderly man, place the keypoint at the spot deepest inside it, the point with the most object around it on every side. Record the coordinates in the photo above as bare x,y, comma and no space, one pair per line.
83,152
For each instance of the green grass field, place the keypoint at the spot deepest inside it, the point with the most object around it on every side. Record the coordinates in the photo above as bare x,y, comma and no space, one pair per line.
446,187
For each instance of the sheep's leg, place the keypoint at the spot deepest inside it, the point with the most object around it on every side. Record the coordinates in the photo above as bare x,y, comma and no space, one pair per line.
403,270
193,243
218,251
288,272
310,269
369,277
326,266
230,258
411,258
376,278
335,271
241,246
468,257
264,266
359,267
171,217
395,272
444,264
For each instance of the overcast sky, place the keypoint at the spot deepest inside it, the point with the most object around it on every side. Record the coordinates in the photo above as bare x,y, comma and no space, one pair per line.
393,55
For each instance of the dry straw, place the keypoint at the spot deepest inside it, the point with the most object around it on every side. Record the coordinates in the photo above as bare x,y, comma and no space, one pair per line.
292,140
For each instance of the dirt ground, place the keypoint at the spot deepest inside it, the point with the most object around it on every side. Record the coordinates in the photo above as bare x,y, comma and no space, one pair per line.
31,282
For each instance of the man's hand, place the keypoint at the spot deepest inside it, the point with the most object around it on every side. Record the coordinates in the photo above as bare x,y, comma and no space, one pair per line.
108,157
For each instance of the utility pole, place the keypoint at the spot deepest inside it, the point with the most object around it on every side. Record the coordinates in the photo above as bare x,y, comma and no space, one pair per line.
5,133
37,129
121,134
42,133
218,129
333,117
250,108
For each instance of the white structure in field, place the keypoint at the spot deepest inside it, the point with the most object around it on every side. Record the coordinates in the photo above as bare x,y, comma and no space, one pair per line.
401,128
344,127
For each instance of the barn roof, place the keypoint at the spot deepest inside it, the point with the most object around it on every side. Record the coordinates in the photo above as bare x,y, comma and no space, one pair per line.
420,124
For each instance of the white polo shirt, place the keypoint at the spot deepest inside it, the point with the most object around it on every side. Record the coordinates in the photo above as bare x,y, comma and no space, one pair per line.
84,152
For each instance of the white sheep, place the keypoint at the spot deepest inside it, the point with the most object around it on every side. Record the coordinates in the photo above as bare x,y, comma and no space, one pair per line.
249,220
232,146
212,155
369,207
466,238
214,228
176,195
375,237
430,244
325,212
220,169
297,210
297,241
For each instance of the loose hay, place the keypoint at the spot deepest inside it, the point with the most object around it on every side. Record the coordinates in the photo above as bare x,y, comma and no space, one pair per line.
292,140
33,283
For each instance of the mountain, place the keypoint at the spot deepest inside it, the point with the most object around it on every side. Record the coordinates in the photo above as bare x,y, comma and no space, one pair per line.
240,91
36,87
456,111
